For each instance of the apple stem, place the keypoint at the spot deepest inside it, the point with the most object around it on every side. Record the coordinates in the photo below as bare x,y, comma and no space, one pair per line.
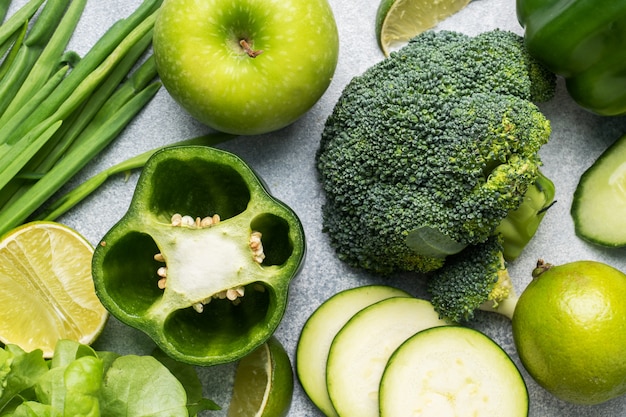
246,47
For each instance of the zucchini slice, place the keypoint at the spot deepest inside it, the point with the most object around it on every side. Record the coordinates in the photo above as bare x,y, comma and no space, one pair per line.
599,205
360,351
452,371
320,329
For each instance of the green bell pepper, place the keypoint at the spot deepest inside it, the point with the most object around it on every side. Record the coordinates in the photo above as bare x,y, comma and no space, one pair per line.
203,258
583,41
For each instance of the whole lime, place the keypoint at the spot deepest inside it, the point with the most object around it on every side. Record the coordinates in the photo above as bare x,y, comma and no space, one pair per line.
569,328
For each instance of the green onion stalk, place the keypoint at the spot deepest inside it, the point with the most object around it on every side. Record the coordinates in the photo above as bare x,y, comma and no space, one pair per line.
59,110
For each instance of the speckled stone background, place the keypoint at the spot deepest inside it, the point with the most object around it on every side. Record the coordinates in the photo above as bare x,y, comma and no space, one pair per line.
285,160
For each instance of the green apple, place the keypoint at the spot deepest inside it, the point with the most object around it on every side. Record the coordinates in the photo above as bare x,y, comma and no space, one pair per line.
246,66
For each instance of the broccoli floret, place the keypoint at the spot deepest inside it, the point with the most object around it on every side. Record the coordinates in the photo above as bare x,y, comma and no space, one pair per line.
474,279
477,278
428,151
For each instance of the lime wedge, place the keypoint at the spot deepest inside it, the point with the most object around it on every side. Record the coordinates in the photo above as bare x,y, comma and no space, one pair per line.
263,384
397,21
46,289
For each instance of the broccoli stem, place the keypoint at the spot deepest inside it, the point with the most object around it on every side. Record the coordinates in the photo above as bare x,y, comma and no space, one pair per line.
503,298
520,225
504,289
505,307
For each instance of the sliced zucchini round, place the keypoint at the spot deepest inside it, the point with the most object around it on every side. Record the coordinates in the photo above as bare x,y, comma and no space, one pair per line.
360,351
320,329
599,205
452,371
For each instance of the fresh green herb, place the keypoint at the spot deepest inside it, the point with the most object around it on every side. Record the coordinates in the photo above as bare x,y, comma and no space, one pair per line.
79,381
58,110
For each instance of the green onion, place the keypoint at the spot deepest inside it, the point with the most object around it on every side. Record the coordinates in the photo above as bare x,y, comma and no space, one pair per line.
4,8
48,48
58,110
73,197
16,21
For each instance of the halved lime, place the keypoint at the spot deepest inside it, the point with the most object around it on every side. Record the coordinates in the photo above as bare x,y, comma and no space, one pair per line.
397,21
263,384
46,289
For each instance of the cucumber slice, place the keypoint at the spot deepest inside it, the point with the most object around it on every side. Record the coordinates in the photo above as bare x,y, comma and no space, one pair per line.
360,351
320,329
452,371
599,204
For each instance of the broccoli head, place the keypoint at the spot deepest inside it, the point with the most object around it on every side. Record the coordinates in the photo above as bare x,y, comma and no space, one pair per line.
429,150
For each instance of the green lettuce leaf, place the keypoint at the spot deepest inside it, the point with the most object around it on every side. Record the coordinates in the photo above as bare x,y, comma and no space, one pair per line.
140,386
19,372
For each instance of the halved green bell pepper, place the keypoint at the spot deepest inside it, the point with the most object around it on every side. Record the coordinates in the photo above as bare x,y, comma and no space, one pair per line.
583,41
203,258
